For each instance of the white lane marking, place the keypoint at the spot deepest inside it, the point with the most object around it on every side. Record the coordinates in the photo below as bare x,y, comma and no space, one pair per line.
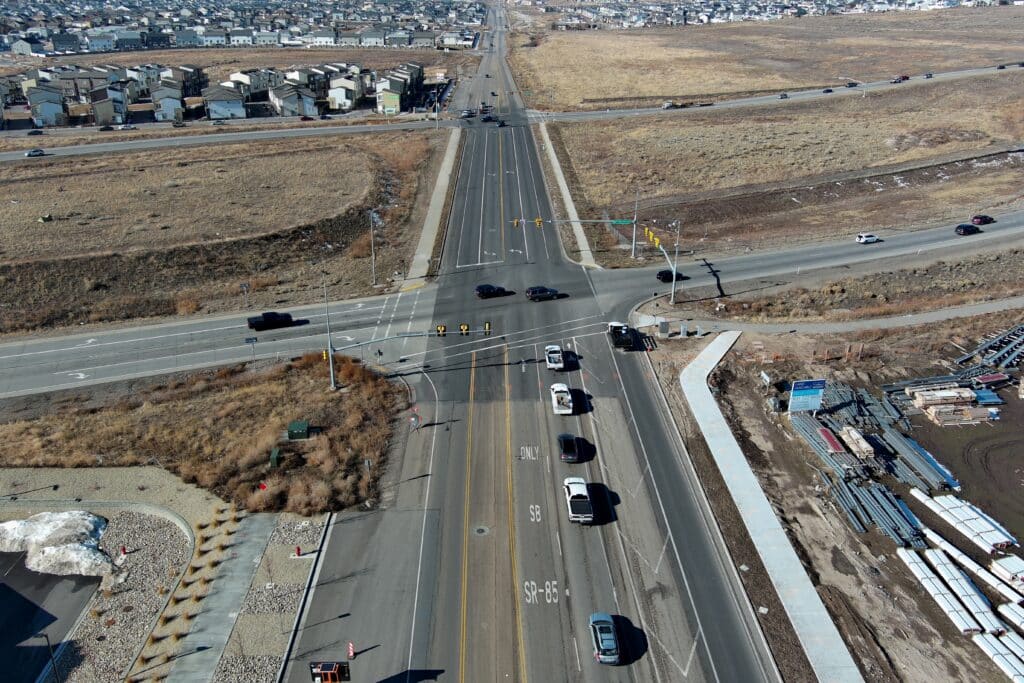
423,532
483,197
73,375
536,199
465,209
412,313
661,507
558,542
87,342
391,320
519,187
576,649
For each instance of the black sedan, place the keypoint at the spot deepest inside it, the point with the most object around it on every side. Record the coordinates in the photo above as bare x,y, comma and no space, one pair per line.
489,291
982,219
967,229
666,276
567,449
541,293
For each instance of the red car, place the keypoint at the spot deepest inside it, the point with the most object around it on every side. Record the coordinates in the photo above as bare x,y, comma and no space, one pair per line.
982,219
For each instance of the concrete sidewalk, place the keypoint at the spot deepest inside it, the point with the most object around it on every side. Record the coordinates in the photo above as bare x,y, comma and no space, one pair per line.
818,635
586,255
213,624
420,265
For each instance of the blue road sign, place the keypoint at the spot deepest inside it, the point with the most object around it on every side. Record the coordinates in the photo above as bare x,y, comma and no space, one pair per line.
806,395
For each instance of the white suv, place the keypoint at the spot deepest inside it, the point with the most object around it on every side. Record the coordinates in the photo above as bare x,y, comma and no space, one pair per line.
866,238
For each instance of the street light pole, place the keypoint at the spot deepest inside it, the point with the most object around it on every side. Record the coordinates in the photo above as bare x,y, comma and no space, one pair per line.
636,210
675,268
53,660
330,344
373,254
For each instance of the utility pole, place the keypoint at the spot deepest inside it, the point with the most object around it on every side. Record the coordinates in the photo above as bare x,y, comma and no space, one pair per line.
330,344
636,211
675,267
373,251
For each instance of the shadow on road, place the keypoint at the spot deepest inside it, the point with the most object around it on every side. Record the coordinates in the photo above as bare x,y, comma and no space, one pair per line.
413,676
632,640
581,402
604,501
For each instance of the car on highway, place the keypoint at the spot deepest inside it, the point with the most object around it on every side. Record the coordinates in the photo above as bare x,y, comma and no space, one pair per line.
1001,66
568,451
827,91
467,113
486,118
967,229
929,75
499,123
35,153
489,291
666,276
554,359
106,129
494,94
540,293
126,126
325,117
577,500
270,320
982,219
218,122
35,132
603,638
867,238
487,75
306,118
852,84
178,124
784,96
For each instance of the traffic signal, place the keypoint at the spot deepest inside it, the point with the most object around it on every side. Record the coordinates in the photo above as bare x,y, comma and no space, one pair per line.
515,222
657,242
487,329
325,354
539,222
441,329
463,329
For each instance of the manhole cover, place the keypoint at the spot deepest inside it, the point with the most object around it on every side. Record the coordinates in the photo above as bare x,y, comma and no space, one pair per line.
481,531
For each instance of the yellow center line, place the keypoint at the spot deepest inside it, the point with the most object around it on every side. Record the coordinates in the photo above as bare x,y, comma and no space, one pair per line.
465,519
512,525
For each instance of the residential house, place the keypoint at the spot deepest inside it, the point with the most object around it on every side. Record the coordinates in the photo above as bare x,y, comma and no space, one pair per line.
66,42
293,100
372,38
325,38
345,91
223,103
128,40
389,98
167,102
146,75
240,37
190,76
423,39
156,40
103,113
27,48
348,39
255,82
101,42
47,104
214,38
397,39
267,38
187,38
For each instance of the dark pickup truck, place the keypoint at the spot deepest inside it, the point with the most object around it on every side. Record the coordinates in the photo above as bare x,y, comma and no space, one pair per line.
621,336
270,321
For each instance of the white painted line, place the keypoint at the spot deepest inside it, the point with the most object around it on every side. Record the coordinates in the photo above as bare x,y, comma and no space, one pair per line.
558,542
576,649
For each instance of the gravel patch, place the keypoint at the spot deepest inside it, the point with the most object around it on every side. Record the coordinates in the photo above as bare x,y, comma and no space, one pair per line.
303,533
273,598
259,669
121,616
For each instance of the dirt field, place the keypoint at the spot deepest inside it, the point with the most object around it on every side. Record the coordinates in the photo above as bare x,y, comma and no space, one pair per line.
777,174
216,429
219,63
889,293
894,629
573,69
180,230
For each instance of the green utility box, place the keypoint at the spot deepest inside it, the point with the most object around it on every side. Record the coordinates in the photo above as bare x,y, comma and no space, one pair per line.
298,429
275,457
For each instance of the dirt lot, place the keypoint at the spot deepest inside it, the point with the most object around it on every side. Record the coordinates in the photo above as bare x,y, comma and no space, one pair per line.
573,69
894,629
889,293
216,429
779,174
219,63
157,241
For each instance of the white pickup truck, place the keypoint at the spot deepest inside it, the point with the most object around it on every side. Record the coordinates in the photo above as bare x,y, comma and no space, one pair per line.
553,357
561,399
577,500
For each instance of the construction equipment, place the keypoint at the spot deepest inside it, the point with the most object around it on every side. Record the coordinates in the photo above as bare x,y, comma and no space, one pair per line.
329,672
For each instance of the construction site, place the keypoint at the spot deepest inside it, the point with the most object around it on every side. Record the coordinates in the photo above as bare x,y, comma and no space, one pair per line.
898,486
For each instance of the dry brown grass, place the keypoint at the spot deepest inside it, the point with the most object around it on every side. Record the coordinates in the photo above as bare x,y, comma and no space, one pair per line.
158,199
708,150
574,69
230,456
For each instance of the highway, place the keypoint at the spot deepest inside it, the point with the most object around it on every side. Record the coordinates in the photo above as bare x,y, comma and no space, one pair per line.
468,569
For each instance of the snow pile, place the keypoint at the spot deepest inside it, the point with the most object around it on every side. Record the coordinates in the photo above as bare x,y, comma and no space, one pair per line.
60,543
